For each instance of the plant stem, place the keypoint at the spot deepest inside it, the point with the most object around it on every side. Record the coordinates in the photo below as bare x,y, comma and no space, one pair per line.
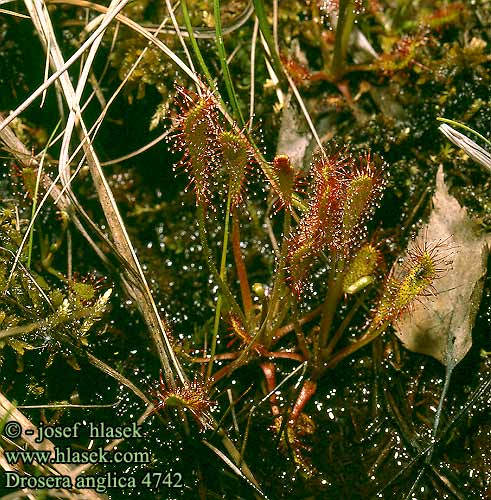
342,327
308,390
264,27
281,332
223,266
272,307
210,261
346,17
36,192
194,43
316,16
223,63
245,289
302,344
334,291
278,282
371,334
269,371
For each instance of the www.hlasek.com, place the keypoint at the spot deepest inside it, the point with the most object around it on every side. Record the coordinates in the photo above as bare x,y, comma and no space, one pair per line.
71,455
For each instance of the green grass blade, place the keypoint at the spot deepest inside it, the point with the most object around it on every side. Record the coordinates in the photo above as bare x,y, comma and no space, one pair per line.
224,65
194,44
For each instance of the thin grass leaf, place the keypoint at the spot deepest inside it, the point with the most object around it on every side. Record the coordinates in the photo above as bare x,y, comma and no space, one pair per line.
476,152
235,469
224,65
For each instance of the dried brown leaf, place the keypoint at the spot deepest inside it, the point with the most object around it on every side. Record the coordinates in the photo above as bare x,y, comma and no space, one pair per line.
441,327
293,139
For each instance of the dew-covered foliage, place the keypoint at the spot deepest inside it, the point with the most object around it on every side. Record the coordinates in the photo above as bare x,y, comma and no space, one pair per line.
257,351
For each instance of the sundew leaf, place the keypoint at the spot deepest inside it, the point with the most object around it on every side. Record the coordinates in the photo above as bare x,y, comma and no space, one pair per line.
441,326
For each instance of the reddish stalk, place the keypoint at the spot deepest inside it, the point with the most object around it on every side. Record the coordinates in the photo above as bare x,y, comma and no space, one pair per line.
245,289
295,356
269,370
227,370
308,390
281,332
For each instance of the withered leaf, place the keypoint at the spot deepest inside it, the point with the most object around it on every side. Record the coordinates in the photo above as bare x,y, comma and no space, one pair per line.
441,326
293,139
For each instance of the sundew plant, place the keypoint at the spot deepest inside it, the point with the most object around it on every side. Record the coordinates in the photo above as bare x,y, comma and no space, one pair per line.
212,223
